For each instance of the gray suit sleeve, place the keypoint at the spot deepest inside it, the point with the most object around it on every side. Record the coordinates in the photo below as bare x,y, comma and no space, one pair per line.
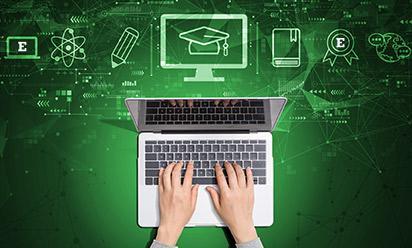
157,244
251,244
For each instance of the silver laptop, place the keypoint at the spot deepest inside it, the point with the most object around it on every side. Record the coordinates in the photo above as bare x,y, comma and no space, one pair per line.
204,132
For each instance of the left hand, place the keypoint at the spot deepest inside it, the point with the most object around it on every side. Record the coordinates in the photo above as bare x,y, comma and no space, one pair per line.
177,202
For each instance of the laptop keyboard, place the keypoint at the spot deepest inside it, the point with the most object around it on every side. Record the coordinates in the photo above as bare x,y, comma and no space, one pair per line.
204,112
205,154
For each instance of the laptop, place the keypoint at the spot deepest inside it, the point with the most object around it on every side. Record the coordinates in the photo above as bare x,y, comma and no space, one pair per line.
204,132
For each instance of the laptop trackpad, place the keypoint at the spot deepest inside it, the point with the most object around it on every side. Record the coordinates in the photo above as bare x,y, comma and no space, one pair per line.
205,214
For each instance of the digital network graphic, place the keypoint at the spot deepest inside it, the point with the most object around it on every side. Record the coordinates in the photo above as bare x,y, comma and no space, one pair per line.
340,43
342,147
390,47
68,47
124,46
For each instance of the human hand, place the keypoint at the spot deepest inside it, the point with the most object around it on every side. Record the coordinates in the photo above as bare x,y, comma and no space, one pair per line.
234,203
182,102
177,202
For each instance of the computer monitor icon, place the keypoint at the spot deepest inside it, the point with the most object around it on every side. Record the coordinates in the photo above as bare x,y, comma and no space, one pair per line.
21,47
203,42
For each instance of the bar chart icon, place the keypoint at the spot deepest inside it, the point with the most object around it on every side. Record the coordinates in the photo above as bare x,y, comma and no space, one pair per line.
124,46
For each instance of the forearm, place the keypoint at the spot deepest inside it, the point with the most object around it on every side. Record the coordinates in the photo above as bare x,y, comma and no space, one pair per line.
157,244
251,244
256,243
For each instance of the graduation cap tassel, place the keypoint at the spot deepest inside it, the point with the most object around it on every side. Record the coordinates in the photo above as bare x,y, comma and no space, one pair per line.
225,48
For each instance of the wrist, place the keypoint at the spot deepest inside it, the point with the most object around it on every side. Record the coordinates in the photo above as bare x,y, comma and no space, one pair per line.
168,235
243,234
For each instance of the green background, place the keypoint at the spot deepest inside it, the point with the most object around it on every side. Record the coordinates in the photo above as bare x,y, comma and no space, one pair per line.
68,148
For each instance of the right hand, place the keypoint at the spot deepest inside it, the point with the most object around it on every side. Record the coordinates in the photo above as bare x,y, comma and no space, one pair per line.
234,203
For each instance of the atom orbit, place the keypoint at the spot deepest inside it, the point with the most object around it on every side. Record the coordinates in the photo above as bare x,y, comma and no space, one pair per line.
68,47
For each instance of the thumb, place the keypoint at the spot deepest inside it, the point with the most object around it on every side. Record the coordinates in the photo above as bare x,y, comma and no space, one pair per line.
195,190
215,197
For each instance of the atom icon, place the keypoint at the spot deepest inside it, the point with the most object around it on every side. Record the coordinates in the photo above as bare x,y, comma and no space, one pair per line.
68,47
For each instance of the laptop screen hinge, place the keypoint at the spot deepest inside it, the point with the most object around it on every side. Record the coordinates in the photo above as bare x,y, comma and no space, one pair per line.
203,131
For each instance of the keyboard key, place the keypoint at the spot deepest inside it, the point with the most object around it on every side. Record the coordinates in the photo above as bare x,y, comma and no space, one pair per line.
186,156
262,156
148,148
211,156
241,148
151,142
220,156
260,148
161,156
199,148
216,148
152,165
207,148
203,156
253,156
232,148
204,180
149,181
245,156
259,172
236,156
157,148
152,104
228,156
182,148
163,164
210,173
258,117
205,164
258,164
195,156
247,164
155,181
165,148
173,148
178,156
196,164
152,173
200,173
151,156
262,180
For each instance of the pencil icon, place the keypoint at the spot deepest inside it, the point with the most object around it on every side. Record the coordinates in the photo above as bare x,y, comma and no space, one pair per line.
124,46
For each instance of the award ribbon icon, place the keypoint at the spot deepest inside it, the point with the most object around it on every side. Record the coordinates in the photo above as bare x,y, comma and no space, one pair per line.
340,44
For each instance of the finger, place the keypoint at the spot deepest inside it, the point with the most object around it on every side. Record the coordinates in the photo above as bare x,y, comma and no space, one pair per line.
240,175
190,103
216,102
194,192
233,102
161,179
220,178
166,176
231,175
226,103
187,182
215,197
249,176
172,102
176,174
180,103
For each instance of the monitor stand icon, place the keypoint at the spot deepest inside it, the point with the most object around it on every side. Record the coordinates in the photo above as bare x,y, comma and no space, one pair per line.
207,47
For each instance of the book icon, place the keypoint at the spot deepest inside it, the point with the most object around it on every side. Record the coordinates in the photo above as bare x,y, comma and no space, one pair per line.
286,47
124,46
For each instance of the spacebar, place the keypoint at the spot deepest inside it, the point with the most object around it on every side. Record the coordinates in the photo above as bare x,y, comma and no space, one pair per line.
204,180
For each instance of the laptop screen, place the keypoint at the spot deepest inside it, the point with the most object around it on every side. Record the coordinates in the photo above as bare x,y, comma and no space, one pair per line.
202,114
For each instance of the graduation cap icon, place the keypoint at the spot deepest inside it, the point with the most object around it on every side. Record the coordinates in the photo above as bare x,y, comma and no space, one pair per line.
206,41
